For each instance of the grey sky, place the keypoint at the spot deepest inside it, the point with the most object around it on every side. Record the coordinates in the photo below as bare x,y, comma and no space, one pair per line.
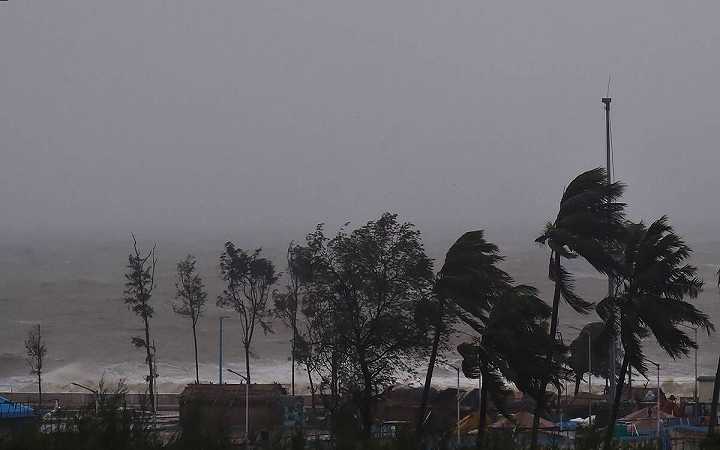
191,115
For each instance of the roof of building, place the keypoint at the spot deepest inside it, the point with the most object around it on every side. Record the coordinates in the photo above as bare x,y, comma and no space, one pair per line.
225,391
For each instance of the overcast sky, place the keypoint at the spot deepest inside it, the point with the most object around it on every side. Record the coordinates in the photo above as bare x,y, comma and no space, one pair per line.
194,115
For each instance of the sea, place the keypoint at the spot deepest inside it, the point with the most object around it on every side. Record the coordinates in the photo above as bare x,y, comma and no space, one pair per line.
73,287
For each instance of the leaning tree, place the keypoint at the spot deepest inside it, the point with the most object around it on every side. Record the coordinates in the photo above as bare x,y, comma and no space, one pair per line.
464,288
654,282
512,346
589,224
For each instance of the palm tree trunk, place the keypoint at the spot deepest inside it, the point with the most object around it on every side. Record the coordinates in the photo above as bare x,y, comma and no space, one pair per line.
428,381
197,368
616,403
714,404
540,402
483,413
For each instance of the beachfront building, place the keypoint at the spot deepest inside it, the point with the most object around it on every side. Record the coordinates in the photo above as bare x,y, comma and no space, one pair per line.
221,408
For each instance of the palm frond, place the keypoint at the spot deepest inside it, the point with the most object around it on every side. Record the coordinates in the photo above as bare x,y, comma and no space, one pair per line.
566,282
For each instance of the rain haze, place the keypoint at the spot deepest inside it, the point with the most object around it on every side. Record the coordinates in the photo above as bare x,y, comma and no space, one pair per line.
191,123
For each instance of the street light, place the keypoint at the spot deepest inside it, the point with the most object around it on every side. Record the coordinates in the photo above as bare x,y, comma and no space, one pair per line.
220,351
589,334
657,396
247,399
94,391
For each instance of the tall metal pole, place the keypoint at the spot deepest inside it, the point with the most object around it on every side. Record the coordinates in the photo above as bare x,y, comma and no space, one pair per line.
247,403
220,352
658,403
613,344
589,379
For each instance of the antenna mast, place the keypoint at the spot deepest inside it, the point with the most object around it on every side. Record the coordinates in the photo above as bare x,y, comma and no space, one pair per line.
611,283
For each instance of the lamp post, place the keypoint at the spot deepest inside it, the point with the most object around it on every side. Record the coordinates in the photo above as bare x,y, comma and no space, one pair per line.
657,399
94,391
220,351
247,399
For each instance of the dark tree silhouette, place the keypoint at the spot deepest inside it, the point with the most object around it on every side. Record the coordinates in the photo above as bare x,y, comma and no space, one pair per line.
35,352
139,286
463,289
600,357
512,347
654,282
589,224
716,391
248,279
365,292
191,296
287,303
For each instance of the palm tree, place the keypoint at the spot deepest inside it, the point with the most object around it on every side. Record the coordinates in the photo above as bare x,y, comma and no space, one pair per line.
654,281
512,347
463,289
589,224
716,391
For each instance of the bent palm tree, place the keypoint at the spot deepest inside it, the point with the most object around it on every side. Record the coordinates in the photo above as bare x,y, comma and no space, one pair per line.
654,281
716,391
463,289
589,225
512,347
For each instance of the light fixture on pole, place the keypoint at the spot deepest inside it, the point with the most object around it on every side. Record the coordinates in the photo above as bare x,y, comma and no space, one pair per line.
247,399
94,391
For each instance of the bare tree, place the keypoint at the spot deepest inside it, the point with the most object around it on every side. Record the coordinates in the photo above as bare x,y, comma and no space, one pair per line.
192,297
35,350
249,279
139,285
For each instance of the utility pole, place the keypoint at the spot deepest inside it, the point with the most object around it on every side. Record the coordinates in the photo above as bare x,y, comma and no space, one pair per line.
589,378
247,403
611,283
220,352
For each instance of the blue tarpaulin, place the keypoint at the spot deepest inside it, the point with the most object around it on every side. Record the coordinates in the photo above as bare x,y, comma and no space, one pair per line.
14,410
